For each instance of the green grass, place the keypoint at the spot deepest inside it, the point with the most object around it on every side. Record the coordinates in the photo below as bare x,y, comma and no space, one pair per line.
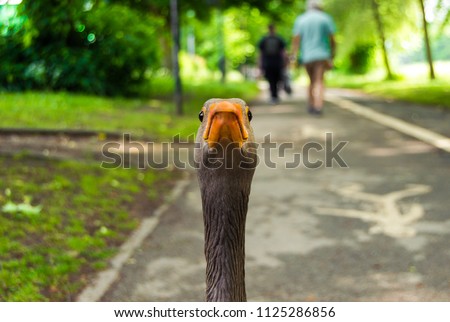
412,86
153,118
60,221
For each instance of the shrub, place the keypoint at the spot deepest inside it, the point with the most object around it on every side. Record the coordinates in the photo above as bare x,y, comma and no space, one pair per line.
360,58
107,49
125,47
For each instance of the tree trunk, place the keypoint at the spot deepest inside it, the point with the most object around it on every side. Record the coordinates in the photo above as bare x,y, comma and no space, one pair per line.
221,39
175,49
427,40
380,28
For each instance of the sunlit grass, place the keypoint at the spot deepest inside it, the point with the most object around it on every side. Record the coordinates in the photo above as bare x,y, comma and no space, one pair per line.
421,70
412,84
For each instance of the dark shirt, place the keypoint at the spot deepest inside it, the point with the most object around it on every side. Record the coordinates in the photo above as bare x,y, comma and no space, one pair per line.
272,47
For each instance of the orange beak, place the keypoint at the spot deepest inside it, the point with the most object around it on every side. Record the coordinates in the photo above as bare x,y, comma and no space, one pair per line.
225,121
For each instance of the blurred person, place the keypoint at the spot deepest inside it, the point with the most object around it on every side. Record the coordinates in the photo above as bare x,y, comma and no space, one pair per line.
272,60
313,35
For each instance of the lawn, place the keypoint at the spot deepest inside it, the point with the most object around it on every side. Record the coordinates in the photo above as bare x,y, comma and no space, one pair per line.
413,84
62,220
151,118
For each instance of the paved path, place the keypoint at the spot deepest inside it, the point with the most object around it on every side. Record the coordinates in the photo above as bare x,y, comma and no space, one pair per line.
375,227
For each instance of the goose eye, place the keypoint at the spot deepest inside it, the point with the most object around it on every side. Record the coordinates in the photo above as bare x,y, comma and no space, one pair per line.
200,116
249,115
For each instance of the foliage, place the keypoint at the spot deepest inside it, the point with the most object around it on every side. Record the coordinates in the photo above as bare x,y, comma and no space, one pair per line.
127,40
440,49
360,58
13,53
240,29
85,212
67,46
116,47
239,36
357,27
203,8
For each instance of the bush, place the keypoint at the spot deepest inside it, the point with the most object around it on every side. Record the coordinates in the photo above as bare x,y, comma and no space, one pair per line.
126,47
103,50
361,58
14,62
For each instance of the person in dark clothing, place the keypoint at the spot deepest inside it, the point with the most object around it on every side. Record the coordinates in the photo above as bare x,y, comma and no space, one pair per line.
272,60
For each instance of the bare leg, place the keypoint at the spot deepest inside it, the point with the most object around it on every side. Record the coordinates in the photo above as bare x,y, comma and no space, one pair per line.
317,85
310,70
310,95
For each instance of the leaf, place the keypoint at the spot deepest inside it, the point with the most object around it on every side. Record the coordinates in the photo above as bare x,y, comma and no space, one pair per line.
10,208
24,208
28,209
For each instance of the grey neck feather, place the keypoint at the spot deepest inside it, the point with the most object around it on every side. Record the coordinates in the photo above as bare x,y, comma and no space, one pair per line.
225,195
224,215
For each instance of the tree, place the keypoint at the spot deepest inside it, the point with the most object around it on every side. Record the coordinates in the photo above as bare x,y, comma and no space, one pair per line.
381,34
368,22
175,50
427,40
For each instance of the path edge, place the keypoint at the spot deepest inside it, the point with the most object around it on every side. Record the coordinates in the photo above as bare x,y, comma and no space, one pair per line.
104,279
437,140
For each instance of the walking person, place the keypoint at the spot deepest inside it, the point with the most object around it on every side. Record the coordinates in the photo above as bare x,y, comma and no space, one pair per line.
313,35
272,60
